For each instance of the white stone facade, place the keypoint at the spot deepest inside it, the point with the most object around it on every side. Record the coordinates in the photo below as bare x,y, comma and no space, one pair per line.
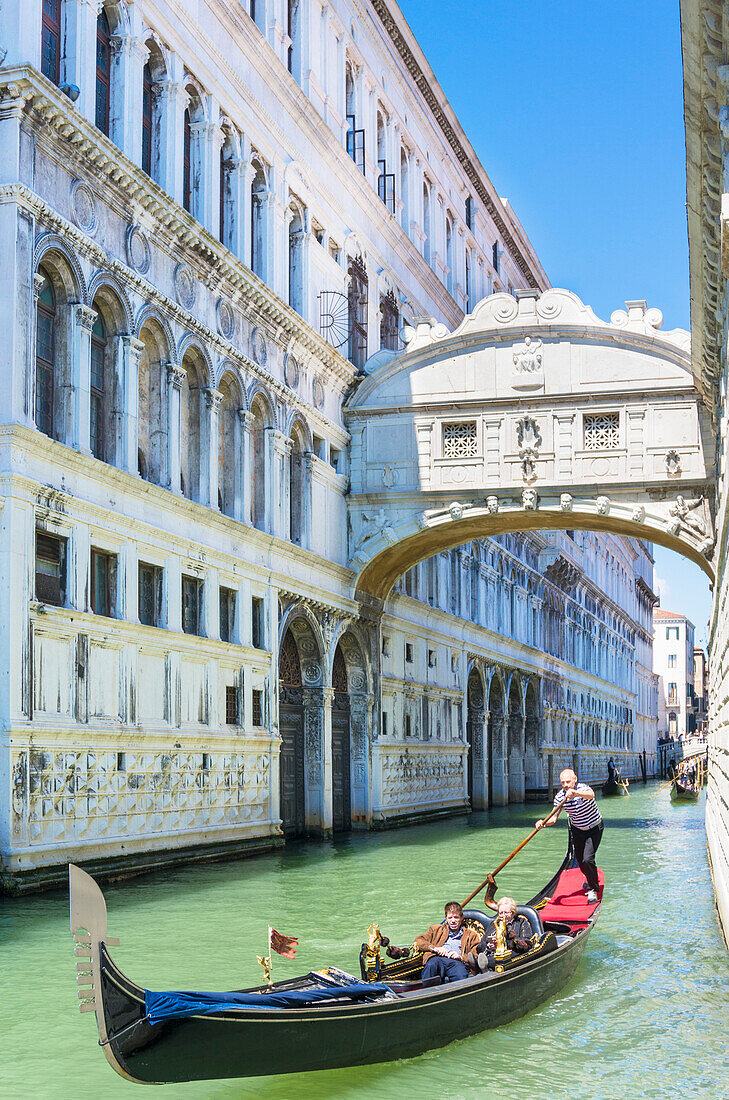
705,39
181,648
673,663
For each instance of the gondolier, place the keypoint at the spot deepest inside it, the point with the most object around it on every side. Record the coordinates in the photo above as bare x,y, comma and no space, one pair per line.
578,800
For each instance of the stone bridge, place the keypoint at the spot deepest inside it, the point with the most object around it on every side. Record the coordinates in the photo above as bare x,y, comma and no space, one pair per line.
532,414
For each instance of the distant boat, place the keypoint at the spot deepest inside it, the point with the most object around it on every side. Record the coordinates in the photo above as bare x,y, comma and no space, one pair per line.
614,786
327,1018
681,791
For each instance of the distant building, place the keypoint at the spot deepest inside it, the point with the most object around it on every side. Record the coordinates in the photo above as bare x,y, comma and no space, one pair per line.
701,688
673,661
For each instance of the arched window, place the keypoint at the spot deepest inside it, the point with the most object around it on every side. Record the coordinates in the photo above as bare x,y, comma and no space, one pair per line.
258,213
405,189
449,254
260,416
147,119
186,161
228,192
103,72
190,424
152,411
228,446
51,40
468,281
296,258
297,490
427,252
45,358
98,389
293,9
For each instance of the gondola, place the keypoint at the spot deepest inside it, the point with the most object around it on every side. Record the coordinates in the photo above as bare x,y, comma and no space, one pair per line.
681,792
612,787
327,1018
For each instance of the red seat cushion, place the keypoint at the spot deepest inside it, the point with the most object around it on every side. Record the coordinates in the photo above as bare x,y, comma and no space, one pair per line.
569,902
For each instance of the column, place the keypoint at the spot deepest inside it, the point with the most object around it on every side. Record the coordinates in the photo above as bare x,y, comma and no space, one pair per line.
128,576
128,57
499,766
278,446
126,361
80,52
327,779
202,174
211,604
175,378
172,594
246,465
317,750
171,100
209,448
77,380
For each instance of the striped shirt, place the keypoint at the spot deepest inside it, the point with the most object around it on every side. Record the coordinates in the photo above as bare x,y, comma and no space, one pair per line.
582,812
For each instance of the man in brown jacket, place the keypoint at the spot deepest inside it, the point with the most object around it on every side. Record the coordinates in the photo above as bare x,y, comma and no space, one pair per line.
445,946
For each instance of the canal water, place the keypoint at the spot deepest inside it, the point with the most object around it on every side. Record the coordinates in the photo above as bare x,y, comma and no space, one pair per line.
644,1016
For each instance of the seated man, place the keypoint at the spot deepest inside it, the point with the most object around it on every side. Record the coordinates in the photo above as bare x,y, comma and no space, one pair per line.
518,934
445,946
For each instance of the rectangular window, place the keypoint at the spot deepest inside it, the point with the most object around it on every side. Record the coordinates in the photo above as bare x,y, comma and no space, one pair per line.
671,660
673,694
384,723
671,633
227,614
150,594
460,440
191,604
602,432
258,634
103,583
386,186
231,706
389,322
50,569
431,658
385,645
408,726
409,652
470,213
356,143
257,707
495,256
51,40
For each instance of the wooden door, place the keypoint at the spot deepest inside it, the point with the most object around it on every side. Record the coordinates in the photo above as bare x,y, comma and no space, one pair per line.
341,778
291,768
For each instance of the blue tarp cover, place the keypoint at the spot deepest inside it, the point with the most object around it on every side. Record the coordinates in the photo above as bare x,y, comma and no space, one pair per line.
176,1006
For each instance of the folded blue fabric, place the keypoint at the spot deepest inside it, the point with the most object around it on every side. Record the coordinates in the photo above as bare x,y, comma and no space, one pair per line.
176,1006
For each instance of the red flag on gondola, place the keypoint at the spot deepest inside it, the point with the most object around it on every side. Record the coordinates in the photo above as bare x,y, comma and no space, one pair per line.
282,945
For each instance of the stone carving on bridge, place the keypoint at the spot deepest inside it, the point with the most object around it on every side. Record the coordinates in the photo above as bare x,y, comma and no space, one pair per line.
685,517
565,502
603,505
638,515
673,463
528,371
529,499
529,439
374,526
456,510
492,503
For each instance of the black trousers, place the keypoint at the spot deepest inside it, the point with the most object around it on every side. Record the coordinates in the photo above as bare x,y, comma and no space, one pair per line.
586,842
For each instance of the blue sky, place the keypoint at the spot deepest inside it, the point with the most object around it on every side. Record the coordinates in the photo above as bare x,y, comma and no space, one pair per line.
576,111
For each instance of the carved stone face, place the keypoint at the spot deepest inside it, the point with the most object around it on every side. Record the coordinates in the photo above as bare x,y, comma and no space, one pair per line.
456,510
603,506
639,514
529,499
492,503
565,502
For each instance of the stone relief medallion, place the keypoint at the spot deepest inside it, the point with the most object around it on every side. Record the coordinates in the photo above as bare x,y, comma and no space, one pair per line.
259,348
138,254
184,286
291,371
312,673
225,318
600,466
83,207
318,393
389,476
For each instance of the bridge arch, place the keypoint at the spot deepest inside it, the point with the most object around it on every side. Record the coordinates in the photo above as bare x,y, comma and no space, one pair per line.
533,414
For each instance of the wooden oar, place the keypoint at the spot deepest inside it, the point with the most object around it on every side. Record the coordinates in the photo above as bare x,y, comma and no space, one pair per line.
501,866
663,787
625,787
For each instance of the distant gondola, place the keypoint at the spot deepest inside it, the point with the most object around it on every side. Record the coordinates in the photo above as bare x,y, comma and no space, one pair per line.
683,792
386,1014
611,787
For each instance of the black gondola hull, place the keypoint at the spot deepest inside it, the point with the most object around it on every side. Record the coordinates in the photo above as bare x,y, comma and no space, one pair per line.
250,1043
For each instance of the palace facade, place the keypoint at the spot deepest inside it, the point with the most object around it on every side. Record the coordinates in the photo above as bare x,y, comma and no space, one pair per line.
213,219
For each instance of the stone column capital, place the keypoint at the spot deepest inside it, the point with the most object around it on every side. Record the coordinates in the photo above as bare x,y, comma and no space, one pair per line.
246,418
213,400
175,375
85,316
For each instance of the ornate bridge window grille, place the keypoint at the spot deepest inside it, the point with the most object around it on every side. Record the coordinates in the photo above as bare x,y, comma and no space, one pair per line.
358,290
459,440
602,432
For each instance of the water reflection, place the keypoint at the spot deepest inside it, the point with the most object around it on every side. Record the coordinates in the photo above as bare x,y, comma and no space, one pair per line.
652,984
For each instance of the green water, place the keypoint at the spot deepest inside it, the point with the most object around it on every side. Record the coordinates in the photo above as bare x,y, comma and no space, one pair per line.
650,990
